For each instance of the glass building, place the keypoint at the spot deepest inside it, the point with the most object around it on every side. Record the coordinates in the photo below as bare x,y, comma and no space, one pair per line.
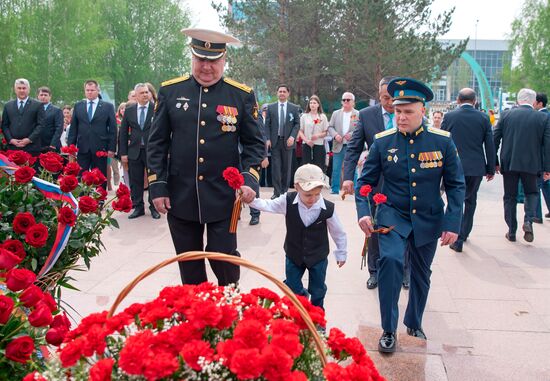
494,57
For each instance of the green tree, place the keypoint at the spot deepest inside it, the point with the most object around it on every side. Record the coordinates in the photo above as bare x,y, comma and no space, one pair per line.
330,46
531,42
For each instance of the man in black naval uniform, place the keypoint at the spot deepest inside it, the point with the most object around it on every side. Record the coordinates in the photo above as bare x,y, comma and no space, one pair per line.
413,159
197,127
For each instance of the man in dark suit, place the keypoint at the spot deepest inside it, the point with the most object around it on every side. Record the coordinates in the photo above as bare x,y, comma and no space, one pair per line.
255,213
93,129
525,153
281,125
372,120
53,121
472,134
540,105
203,124
414,159
22,120
132,146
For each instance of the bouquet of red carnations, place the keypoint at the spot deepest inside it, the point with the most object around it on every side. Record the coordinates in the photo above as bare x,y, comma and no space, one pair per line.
207,332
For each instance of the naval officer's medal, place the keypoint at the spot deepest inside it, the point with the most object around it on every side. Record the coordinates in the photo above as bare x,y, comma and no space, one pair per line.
227,116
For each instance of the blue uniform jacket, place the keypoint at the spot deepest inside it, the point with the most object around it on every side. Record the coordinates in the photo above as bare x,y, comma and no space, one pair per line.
413,166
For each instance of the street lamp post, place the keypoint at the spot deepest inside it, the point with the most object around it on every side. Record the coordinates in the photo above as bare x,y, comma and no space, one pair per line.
475,57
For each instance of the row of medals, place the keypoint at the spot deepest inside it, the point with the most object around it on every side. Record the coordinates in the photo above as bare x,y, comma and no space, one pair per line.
431,164
228,122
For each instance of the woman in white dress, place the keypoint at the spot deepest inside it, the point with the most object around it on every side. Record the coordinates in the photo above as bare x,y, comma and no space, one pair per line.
313,129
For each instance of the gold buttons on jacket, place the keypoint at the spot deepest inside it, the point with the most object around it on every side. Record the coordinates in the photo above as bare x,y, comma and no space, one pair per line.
414,211
412,155
413,184
204,105
201,177
411,141
203,123
413,170
201,141
414,198
201,160
205,90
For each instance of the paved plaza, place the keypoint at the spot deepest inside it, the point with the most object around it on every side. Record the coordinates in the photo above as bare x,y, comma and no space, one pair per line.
488,313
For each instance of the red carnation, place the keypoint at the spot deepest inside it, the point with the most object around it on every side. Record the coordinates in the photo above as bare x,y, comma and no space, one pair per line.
22,222
66,216
34,376
233,177
16,247
70,150
68,183
87,204
24,174
192,350
19,279
61,321
379,198
37,235
6,307
72,169
8,260
51,162
31,296
41,316
20,349
101,194
102,370
101,154
123,204
246,363
365,190
122,191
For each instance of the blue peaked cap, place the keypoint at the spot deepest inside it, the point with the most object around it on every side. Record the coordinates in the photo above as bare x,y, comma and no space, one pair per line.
408,90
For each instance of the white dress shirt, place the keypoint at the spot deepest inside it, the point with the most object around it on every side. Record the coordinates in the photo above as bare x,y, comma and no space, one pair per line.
308,217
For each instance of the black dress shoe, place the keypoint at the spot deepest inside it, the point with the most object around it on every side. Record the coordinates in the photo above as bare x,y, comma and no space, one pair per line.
547,215
372,282
255,220
457,246
416,332
537,220
387,342
528,232
154,213
136,213
510,237
406,283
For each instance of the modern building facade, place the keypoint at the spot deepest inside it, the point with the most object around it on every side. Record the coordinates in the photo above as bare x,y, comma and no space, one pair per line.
493,56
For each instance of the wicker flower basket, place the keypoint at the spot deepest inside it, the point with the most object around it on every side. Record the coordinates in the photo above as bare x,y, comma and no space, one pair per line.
194,255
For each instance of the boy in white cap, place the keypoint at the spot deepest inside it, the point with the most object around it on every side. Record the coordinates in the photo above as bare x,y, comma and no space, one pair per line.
308,216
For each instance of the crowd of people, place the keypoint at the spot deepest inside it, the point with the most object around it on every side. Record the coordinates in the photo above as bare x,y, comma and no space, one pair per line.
397,165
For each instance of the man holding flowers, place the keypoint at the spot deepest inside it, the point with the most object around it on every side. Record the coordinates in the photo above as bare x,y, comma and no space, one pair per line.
413,159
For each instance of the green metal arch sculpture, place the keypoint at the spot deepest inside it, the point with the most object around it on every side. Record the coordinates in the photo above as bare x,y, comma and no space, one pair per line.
485,90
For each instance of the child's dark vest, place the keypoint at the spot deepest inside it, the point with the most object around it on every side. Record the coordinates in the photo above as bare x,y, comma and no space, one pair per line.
306,245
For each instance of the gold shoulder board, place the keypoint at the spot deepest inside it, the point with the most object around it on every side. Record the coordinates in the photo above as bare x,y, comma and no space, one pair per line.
391,131
439,132
238,85
175,80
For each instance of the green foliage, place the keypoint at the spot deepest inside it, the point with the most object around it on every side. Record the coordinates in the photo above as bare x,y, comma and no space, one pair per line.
327,47
531,42
61,43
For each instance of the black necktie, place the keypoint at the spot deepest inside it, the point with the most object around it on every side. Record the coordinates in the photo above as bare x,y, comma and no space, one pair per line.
21,103
282,120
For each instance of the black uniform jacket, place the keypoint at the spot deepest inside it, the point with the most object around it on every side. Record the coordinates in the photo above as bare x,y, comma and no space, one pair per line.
195,135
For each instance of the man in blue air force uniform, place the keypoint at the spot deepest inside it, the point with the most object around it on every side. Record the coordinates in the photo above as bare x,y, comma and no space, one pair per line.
413,158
